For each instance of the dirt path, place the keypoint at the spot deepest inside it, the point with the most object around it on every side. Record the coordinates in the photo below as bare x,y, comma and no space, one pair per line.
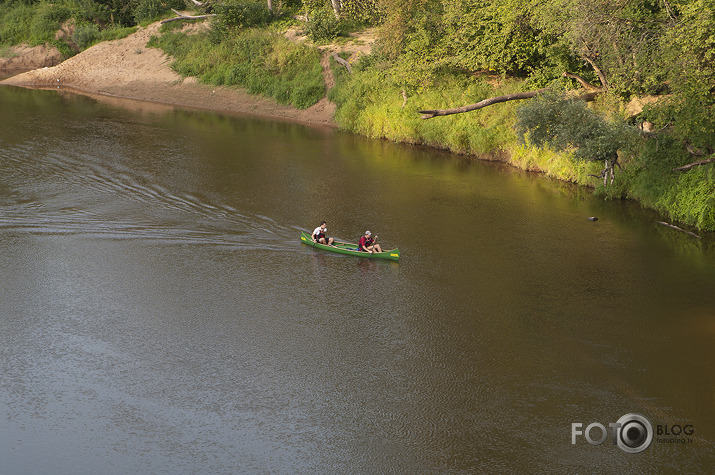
126,68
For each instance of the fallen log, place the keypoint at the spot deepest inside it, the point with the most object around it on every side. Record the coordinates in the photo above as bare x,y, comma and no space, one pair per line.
340,60
693,165
677,228
181,16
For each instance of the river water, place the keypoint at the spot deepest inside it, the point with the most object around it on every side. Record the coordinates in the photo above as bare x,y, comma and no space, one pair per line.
159,314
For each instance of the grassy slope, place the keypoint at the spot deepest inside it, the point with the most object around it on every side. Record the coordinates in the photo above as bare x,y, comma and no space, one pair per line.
369,105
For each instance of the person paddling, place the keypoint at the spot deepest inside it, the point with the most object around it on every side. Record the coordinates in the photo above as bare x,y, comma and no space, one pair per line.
319,234
367,243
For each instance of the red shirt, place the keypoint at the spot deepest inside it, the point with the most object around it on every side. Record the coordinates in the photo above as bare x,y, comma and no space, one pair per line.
364,242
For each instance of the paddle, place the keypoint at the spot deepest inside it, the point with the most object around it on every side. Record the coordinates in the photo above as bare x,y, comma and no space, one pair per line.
374,241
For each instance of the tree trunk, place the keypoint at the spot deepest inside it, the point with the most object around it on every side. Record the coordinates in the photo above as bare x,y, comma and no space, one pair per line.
601,76
336,8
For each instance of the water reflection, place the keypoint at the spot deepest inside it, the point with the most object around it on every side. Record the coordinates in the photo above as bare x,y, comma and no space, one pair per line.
160,314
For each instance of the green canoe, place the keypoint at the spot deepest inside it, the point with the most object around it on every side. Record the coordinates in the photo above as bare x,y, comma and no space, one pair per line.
349,249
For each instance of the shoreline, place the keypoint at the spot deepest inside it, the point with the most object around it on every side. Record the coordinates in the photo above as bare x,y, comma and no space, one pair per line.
230,103
127,69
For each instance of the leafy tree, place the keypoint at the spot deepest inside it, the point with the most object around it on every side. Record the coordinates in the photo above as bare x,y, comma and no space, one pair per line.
689,63
368,12
322,25
620,39
91,11
120,12
150,9
411,26
554,120
495,35
235,14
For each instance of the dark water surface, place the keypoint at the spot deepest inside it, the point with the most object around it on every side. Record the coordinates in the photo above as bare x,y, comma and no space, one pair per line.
159,314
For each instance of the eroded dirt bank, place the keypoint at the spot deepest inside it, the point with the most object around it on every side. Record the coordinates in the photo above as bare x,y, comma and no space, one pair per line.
127,68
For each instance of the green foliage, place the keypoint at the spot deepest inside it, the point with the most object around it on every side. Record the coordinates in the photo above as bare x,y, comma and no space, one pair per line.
551,119
85,34
686,197
46,21
91,11
146,10
236,14
689,61
366,12
363,12
31,23
262,62
620,38
119,12
692,199
371,103
14,24
498,36
88,34
322,25
411,25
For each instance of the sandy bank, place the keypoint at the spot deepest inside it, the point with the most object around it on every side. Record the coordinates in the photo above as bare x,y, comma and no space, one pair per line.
127,68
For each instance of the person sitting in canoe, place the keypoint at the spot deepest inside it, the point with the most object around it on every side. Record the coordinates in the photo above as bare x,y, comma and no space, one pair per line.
367,243
319,235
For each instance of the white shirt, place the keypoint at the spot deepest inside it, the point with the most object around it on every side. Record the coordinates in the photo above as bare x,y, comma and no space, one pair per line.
320,230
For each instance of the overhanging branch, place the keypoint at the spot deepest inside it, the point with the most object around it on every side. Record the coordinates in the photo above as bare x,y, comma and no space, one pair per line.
428,114
693,165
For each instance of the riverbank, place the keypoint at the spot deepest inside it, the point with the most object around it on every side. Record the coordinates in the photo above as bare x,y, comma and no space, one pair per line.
126,68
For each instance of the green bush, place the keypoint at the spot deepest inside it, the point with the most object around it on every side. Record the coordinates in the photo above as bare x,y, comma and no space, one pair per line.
91,11
33,24
264,63
236,14
322,25
554,120
148,10
85,34
46,21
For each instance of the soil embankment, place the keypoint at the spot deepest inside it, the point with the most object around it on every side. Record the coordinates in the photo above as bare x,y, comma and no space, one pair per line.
127,68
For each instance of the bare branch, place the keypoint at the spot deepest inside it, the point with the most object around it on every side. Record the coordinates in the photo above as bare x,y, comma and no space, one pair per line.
585,84
677,228
694,164
694,151
199,4
428,114
340,60
181,16
601,76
